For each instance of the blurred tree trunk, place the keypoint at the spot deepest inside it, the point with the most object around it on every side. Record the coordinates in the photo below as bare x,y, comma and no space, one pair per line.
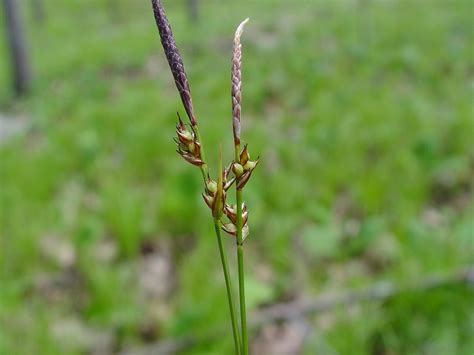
16,41
193,10
37,10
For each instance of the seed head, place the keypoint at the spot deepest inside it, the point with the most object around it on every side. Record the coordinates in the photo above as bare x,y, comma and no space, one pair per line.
174,59
236,78
188,145
215,191
244,168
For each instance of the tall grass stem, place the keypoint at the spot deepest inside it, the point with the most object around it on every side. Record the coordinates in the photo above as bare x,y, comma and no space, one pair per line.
240,263
228,283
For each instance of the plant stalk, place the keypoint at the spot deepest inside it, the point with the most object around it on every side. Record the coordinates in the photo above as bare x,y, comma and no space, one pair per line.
204,168
225,265
240,263
228,283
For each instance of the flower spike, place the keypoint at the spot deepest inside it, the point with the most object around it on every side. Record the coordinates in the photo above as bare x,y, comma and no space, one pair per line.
174,59
236,79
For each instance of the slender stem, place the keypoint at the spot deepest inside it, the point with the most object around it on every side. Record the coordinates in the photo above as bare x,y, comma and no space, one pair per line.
225,268
204,167
225,265
240,263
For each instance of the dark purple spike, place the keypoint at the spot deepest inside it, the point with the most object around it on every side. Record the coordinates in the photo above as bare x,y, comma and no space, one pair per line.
174,58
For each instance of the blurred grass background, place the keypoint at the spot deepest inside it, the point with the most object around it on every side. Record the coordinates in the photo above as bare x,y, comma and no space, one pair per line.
362,114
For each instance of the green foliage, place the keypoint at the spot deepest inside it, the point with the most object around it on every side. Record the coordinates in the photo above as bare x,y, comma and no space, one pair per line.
361,112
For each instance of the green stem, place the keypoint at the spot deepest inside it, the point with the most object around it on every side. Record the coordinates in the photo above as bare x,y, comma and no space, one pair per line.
240,263
225,268
204,168
225,265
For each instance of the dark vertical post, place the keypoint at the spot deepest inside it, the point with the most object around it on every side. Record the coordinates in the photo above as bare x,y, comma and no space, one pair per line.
16,41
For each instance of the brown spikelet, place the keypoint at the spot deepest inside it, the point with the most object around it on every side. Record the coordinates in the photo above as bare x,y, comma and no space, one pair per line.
174,59
236,79
188,145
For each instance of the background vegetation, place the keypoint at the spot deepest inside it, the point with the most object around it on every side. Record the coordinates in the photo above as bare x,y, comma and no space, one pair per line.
362,114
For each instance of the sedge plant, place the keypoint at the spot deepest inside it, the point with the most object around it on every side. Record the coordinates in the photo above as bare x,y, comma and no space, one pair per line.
231,218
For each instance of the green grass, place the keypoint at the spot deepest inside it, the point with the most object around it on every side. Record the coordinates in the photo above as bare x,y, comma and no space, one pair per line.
361,112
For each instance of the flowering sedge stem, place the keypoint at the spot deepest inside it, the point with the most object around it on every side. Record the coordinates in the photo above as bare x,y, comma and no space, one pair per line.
240,263
225,267
214,197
